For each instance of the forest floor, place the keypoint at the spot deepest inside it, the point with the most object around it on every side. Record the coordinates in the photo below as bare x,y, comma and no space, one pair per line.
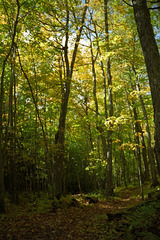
110,219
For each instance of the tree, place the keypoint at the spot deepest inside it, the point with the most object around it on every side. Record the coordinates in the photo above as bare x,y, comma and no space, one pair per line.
109,187
13,32
59,75
149,147
69,67
152,61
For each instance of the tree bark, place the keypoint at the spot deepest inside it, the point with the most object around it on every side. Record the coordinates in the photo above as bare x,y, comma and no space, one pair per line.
149,147
109,184
152,61
103,75
98,123
2,203
140,132
60,135
12,133
135,129
138,152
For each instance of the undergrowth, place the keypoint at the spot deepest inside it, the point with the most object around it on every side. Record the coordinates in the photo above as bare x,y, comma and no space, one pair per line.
142,221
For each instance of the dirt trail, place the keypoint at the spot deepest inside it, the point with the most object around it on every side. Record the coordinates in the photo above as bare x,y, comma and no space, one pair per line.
77,223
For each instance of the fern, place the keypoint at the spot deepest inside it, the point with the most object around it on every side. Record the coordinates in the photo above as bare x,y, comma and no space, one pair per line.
147,236
143,216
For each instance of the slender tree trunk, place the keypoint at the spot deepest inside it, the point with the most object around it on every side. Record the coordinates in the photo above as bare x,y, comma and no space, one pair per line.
140,132
99,126
35,104
152,60
109,184
103,75
123,167
59,158
89,125
136,133
2,204
98,123
122,157
149,147
34,98
36,177
12,133
135,129
144,155
94,83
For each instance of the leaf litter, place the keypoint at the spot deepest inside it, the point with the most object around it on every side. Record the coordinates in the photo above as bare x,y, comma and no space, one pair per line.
104,220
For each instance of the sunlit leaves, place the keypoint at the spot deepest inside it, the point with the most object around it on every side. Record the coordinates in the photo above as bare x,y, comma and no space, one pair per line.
40,41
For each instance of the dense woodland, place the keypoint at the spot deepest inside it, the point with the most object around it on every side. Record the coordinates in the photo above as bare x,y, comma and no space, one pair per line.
79,96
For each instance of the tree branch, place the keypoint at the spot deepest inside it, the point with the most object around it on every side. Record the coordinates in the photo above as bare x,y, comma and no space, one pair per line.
34,101
127,3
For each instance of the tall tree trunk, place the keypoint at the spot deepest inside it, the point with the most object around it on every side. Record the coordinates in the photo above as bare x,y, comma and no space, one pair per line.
140,132
138,152
103,74
12,133
89,125
122,155
122,158
98,123
137,141
109,184
150,152
99,126
2,203
149,147
152,60
144,155
60,135
135,129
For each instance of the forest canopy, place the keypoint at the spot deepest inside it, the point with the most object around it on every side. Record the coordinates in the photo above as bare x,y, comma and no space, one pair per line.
78,102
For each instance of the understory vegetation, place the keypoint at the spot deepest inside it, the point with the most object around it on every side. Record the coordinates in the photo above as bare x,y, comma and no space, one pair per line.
124,216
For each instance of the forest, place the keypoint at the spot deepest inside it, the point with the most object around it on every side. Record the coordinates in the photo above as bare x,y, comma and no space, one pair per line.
79,119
